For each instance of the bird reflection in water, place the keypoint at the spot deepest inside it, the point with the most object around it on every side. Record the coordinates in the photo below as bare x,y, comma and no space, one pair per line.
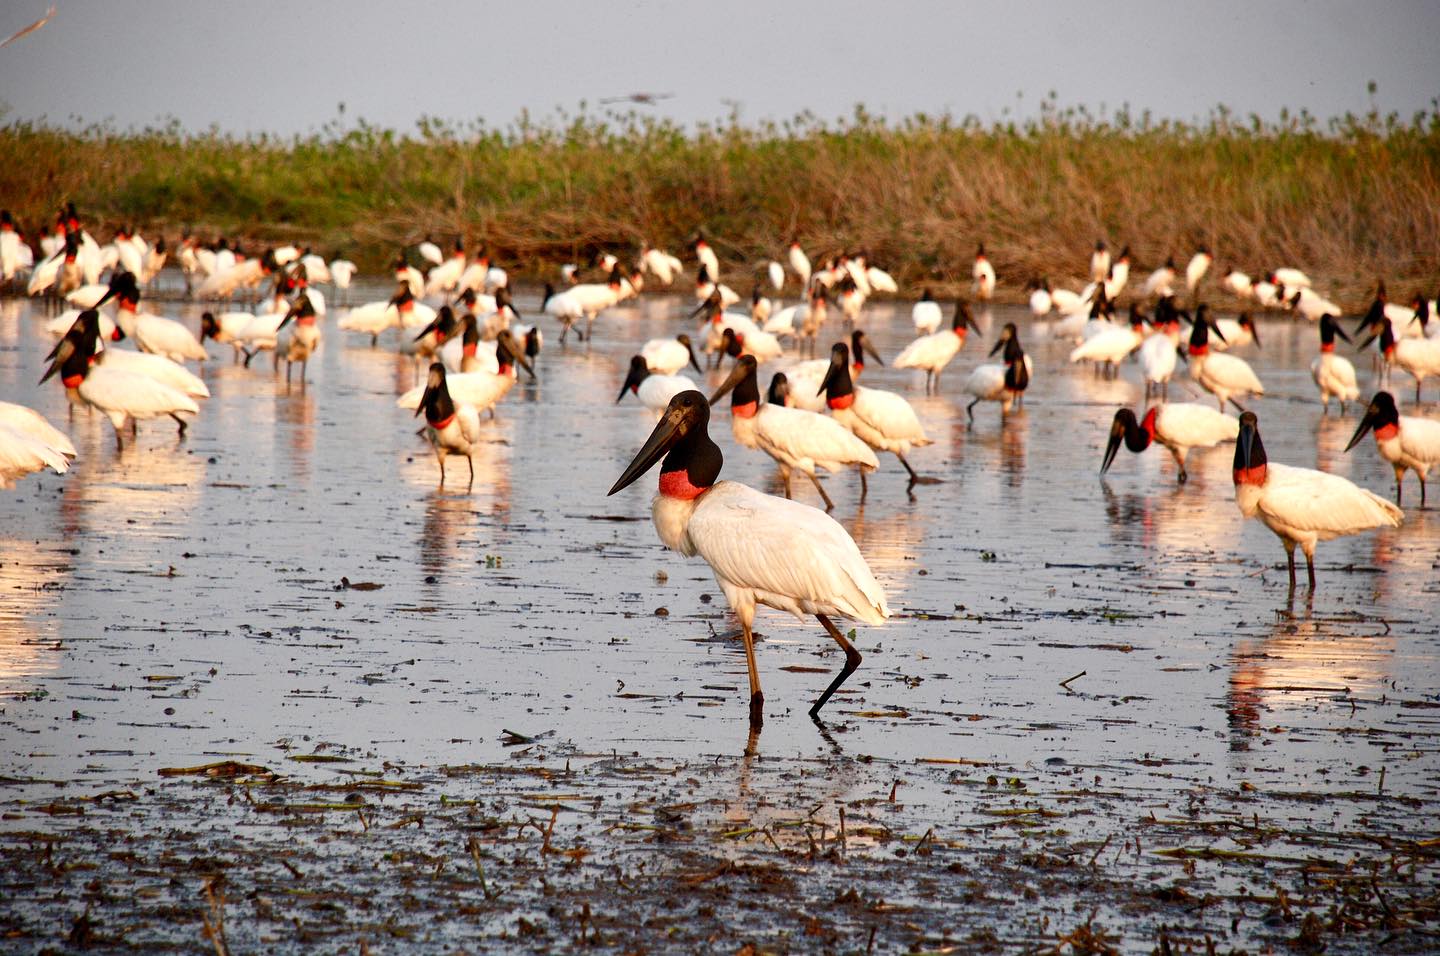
1304,660
295,412
1331,435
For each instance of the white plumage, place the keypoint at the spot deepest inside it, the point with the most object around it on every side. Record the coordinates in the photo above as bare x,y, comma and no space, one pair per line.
1408,443
1237,284
1223,376
777,275
30,422
1302,506
1311,304
926,314
774,552
1178,427
668,356
1335,377
935,351
1157,360
983,274
1291,278
799,263
1195,271
479,389
160,336
22,454
157,368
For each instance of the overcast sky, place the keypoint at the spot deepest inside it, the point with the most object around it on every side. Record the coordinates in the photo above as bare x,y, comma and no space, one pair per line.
260,66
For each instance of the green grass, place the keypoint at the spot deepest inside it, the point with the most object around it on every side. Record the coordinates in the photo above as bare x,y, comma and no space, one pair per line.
1348,200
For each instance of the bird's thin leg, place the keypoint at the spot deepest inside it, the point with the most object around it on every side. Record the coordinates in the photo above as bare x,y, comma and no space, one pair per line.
852,661
864,485
970,410
1290,558
1238,407
785,475
913,476
1417,391
757,698
440,457
470,460
829,505
181,422
1180,462
1421,476
1399,486
374,340
1310,566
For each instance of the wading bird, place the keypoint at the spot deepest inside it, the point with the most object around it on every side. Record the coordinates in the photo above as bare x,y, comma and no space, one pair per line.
668,356
121,395
795,438
481,389
1179,427
763,550
805,377
1300,505
1198,266
450,428
1333,374
882,420
983,274
926,314
1005,383
1407,443
653,389
933,352
1419,357
1223,376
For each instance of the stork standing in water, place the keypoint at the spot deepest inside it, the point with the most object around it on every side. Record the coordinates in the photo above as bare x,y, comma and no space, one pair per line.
1300,505
881,419
122,396
935,351
1223,376
1179,427
451,429
1407,443
795,438
1006,383
764,550
1333,375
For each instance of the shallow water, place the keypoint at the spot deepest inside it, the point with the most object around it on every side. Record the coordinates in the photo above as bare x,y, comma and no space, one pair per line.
180,602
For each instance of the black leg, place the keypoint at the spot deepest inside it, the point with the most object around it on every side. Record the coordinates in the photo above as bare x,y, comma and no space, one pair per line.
829,505
913,477
852,661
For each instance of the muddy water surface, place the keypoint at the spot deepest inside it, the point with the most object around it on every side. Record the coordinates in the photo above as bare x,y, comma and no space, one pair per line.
524,666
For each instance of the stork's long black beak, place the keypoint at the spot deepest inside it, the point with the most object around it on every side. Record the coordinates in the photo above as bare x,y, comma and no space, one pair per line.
433,382
1366,424
433,326
1362,346
1000,342
870,349
694,362
836,364
1245,446
1255,333
516,352
631,381
737,375
62,354
674,425
1117,434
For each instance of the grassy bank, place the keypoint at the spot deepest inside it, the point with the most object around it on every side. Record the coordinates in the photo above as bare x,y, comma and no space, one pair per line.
1347,200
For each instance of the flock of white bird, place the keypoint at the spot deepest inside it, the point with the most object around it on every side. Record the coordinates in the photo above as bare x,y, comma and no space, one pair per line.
812,416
